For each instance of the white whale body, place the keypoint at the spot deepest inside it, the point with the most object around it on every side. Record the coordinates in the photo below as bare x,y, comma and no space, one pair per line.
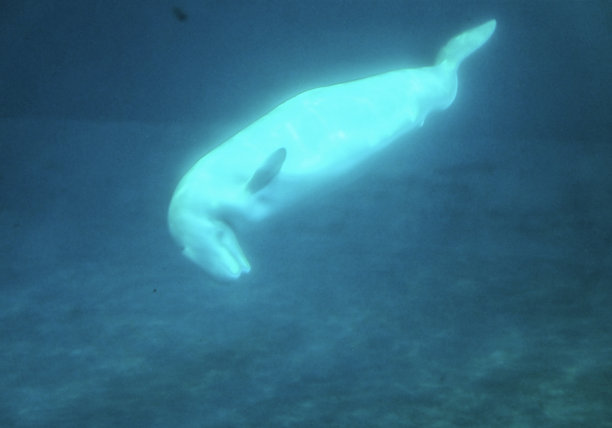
311,139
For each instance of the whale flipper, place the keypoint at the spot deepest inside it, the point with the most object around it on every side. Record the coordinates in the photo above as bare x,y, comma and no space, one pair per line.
267,171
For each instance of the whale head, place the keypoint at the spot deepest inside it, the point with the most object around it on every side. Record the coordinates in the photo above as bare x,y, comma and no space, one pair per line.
211,244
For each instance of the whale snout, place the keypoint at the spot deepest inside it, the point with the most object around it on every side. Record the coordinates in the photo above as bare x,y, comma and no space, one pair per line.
212,245
223,263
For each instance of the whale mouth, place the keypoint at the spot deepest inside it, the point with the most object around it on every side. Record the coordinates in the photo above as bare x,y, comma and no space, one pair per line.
223,260
211,244
233,262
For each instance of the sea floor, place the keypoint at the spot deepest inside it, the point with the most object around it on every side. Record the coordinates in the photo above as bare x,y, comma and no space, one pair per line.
469,289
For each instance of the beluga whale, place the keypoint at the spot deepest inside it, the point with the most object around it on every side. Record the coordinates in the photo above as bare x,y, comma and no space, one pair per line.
306,142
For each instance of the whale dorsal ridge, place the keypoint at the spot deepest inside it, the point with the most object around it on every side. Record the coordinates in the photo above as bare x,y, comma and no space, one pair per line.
267,171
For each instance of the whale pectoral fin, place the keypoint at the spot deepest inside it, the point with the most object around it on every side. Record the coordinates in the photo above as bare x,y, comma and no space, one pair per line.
267,171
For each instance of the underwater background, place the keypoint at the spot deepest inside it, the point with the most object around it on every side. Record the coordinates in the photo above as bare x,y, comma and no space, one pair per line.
464,280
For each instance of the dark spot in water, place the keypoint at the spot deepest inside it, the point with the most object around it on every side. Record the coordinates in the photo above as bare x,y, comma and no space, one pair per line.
179,14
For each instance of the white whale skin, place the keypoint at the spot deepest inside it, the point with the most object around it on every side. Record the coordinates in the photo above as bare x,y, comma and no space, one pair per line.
307,141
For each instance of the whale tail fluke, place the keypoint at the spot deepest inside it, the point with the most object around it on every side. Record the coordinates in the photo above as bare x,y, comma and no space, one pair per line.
460,47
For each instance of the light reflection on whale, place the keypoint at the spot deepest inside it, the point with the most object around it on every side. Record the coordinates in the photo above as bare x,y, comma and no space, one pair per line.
309,140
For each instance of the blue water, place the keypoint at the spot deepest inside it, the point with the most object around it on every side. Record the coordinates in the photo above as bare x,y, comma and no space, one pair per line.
464,280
